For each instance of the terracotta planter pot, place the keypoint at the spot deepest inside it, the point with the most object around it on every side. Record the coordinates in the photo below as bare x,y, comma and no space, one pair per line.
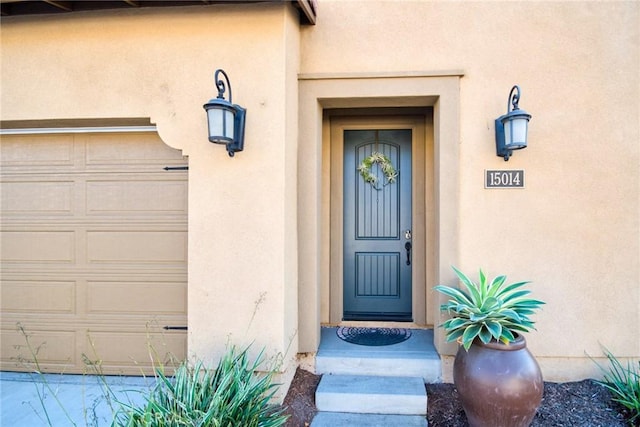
500,385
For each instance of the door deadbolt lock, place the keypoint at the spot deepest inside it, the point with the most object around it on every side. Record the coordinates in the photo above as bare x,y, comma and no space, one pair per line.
407,234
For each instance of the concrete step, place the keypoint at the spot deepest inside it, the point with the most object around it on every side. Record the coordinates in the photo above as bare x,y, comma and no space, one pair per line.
338,419
428,369
415,357
372,395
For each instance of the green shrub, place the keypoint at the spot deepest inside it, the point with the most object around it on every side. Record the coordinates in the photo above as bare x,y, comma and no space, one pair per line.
231,395
624,384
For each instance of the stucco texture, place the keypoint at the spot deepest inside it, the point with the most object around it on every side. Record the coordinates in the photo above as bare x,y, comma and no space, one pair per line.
254,230
159,64
574,230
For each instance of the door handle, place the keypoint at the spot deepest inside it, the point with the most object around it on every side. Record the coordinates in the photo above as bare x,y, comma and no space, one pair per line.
407,246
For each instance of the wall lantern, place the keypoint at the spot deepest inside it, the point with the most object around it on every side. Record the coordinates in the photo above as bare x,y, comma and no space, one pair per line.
511,129
225,119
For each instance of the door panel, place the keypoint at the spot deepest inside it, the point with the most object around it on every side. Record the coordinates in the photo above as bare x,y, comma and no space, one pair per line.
377,270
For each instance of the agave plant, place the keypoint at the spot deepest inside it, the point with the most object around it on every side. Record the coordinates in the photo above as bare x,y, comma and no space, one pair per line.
487,310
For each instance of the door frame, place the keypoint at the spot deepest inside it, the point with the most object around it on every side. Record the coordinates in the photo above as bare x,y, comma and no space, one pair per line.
322,93
421,125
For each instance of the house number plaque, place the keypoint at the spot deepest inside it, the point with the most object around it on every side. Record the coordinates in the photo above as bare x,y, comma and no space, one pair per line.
504,178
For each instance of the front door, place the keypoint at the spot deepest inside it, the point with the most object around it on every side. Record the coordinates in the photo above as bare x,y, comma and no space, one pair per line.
377,225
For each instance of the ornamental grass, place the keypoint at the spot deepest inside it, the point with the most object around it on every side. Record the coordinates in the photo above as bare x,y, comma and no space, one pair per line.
623,381
233,394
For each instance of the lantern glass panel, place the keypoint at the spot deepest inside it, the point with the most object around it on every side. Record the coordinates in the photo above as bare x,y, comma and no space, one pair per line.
215,121
515,133
221,125
228,124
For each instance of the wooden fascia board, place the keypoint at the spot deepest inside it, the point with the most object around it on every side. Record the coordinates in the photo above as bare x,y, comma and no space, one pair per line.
64,5
308,8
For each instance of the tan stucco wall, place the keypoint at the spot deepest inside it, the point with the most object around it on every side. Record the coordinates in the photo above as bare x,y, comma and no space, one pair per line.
256,221
574,230
159,64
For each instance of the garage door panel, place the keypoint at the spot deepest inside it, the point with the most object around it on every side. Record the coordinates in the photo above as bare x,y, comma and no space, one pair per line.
37,150
136,297
118,150
38,246
148,197
44,297
37,198
128,352
128,247
57,348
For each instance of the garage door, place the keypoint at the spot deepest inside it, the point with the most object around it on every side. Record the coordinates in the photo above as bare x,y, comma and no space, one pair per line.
93,251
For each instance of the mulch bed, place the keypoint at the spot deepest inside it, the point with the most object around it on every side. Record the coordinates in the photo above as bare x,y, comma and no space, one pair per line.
582,403
300,401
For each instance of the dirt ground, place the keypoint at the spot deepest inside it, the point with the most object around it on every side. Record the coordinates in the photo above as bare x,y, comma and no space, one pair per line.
583,403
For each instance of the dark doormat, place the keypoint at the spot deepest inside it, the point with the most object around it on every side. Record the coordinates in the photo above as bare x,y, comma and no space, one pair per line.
373,336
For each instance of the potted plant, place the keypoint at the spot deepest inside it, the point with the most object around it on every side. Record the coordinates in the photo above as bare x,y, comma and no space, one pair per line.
499,381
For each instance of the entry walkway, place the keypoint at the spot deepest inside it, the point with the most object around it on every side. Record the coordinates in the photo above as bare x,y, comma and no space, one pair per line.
375,386
30,400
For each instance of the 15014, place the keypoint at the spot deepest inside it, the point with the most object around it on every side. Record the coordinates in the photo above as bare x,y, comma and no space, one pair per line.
504,178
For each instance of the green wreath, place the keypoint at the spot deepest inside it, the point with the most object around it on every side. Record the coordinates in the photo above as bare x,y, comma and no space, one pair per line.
385,164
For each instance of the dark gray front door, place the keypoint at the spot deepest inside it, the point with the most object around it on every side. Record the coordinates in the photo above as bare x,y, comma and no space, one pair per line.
377,228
